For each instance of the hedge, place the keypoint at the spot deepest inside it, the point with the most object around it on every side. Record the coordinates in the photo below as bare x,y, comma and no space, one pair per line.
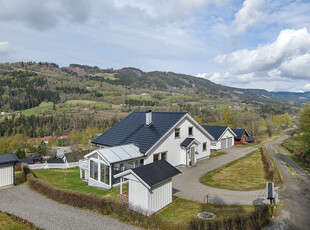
258,219
268,163
97,203
254,220
21,220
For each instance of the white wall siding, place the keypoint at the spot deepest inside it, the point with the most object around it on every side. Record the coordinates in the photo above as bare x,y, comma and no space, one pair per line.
137,195
175,154
6,175
160,196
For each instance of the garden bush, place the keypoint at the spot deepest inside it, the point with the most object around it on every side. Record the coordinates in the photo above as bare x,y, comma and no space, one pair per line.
257,219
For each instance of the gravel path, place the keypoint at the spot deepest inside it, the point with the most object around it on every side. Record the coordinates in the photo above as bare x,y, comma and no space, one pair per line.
48,214
295,193
187,184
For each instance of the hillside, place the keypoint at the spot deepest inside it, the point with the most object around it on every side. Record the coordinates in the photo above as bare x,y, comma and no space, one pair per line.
26,85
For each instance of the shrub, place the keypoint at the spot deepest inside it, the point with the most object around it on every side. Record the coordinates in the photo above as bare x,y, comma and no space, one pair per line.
97,203
257,219
269,166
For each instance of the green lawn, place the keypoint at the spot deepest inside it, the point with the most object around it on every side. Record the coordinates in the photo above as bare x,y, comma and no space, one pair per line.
8,223
90,102
247,145
182,211
20,177
244,174
70,179
41,107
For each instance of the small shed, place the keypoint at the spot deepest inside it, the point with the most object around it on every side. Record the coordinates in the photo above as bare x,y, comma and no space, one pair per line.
150,186
7,169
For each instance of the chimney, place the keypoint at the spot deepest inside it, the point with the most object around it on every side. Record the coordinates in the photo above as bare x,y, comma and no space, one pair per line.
148,117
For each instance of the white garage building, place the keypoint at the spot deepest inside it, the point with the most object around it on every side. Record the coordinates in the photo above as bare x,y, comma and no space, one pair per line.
223,135
150,186
7,169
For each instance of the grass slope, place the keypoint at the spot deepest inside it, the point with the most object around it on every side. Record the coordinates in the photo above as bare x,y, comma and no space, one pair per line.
244,174
8,223
70,179
41,107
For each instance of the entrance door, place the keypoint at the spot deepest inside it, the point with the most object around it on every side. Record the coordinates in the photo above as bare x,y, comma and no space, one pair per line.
192,151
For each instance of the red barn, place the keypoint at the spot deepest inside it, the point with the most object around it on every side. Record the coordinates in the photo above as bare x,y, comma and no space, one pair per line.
242,136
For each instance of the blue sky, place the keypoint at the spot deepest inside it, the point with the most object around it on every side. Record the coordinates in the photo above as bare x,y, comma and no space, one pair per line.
250,44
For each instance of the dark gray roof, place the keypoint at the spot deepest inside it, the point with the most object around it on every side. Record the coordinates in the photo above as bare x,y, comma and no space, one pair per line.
132,130
239,133
8,158
215,131
251,138
26,160
156,172
187,141
55,161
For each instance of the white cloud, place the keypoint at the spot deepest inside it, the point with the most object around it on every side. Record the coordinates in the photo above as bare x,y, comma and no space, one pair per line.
248,15
307,87
43,15
290,51
5,48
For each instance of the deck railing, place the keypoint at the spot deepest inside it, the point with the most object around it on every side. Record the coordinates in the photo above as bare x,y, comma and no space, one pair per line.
54,165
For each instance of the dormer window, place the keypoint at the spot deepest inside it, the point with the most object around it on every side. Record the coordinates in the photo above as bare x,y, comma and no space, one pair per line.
190,131
177,133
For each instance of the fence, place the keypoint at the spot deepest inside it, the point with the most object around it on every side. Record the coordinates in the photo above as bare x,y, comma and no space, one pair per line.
54,166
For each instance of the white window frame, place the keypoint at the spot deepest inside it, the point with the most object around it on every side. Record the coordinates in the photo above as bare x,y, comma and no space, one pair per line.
205,143
177,130
191,127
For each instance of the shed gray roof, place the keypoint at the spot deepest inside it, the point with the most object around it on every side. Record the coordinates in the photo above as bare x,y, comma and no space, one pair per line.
8,158
118,153
239,133
215,131
187,142
156,172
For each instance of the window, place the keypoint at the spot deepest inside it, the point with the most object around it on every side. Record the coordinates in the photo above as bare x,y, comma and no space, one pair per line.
95,170
177,133
91,167
190,131
204,146
163,156
155,157
105,174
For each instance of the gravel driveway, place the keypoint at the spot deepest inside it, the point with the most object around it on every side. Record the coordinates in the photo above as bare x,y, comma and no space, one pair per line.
48,214
188,186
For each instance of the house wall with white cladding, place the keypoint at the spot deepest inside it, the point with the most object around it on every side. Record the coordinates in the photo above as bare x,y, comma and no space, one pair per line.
215,145
160,196
6,175
137,195
175,154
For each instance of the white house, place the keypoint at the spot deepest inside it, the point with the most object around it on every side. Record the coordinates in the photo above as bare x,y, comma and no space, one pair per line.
150,186
161,135
223,136
7,169
172,136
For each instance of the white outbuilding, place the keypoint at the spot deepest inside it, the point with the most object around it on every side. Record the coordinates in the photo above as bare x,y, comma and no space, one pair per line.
223,136
7,169
150,186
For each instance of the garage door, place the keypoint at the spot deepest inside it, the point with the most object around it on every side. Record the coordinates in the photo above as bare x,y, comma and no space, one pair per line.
229,142
6,176
223,144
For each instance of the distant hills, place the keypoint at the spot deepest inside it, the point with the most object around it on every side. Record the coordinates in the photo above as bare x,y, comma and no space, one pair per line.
25,85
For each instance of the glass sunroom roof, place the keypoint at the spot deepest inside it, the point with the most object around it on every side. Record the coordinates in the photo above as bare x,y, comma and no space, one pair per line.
119,153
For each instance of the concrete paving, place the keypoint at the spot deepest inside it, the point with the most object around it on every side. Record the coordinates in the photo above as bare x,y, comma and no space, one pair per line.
187,184
48,214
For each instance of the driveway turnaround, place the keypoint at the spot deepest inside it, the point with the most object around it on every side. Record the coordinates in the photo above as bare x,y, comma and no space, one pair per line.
296,193
188,186
48,214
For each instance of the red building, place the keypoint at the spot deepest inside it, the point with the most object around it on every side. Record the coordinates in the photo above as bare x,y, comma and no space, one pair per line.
242,136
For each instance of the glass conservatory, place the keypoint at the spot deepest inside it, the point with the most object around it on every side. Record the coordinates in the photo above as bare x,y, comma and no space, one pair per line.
100,166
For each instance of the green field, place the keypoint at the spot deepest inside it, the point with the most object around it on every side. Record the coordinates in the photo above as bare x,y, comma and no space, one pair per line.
92,103
244,174
41,107
70,179
106,76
